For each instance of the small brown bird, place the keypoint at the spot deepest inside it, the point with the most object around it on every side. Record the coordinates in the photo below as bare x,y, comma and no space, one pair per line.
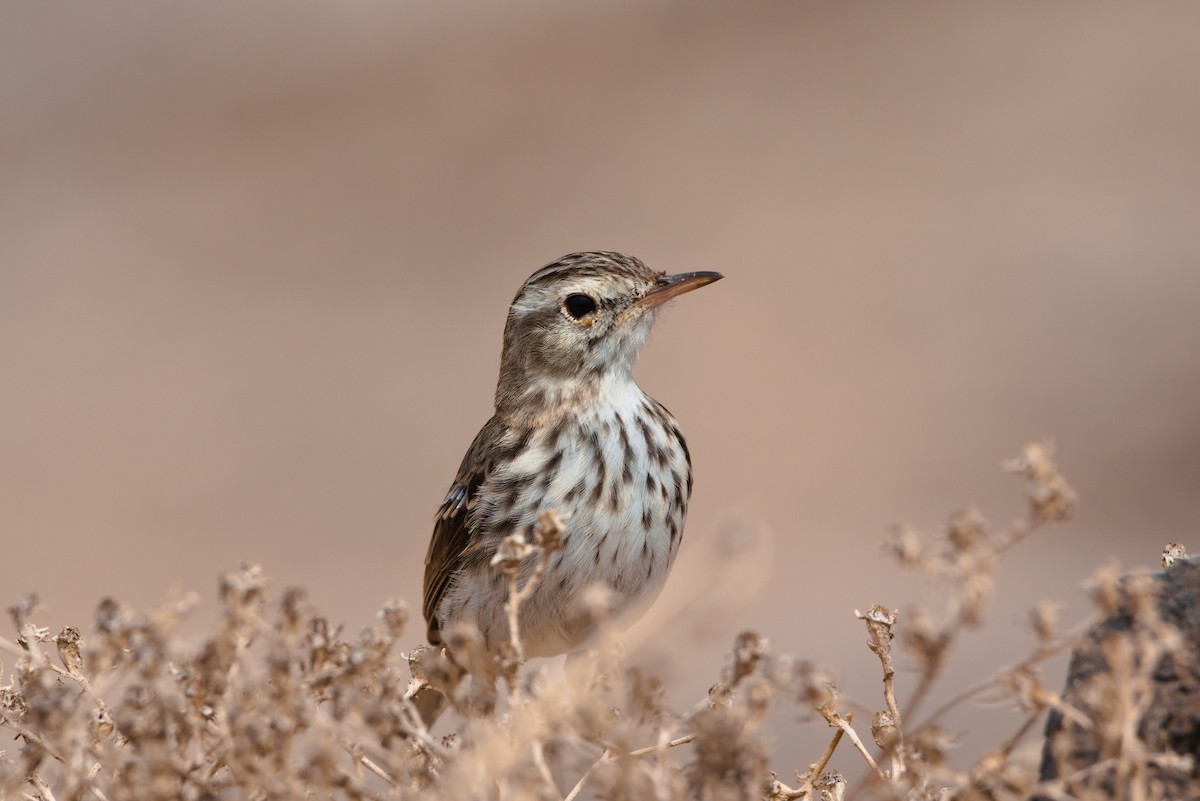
574,434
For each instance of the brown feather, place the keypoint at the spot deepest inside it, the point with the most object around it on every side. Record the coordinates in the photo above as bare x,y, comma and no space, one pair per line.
452,531
457,540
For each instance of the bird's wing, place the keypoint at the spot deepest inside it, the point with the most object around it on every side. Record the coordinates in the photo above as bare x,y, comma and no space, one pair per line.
454,527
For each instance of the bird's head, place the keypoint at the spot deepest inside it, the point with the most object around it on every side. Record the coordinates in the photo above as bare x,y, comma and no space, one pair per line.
578,321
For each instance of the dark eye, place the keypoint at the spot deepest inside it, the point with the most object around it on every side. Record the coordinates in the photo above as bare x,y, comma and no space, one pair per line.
579,306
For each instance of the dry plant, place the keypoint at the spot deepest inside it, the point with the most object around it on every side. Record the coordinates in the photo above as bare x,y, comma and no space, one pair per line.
278,704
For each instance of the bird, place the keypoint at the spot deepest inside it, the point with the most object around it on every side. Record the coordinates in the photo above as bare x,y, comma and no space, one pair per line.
572,434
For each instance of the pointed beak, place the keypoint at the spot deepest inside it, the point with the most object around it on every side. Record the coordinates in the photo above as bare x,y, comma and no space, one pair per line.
670,286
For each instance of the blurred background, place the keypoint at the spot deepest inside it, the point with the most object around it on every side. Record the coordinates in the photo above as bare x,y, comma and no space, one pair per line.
255,262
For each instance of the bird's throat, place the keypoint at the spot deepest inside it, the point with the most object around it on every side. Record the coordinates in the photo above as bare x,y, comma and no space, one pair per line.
544,399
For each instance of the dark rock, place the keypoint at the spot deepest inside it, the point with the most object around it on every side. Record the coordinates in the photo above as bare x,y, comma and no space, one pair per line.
1101,669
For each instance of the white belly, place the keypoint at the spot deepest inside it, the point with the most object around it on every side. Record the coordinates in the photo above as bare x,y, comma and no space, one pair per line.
618,474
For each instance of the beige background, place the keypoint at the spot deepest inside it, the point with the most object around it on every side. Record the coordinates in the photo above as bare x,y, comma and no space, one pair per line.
255,261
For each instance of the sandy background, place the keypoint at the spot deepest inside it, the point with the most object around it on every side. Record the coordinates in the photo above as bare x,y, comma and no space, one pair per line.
255,261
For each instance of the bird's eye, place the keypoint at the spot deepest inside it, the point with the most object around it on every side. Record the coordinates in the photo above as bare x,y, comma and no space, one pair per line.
579,306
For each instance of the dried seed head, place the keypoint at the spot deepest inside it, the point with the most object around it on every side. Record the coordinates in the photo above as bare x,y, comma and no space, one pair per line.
1142,591
879,614
729,760
110,616
998,775
720,695
512,551
748,650
813,686
394,615
68,641
293,607
1172,553
1051,498
1026,686
29,635
371,649
931,744
23,608
906,546
831,786
884,731
1105,588
465,641
967,529
1044,620
975,592
548,531
646,694
758,696
242,586
102,723
416,660
879,622
925,639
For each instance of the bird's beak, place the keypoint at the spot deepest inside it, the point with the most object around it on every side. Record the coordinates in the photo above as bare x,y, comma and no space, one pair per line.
669,286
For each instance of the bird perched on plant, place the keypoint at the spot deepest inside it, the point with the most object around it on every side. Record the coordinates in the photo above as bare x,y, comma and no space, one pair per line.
573,434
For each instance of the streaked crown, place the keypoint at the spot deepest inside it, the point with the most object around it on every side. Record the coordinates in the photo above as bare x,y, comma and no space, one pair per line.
578,321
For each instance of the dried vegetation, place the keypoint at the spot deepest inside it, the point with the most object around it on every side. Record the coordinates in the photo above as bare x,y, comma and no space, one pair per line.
277,704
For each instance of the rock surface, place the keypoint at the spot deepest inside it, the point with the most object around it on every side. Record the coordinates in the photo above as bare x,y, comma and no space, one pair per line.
1138,666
